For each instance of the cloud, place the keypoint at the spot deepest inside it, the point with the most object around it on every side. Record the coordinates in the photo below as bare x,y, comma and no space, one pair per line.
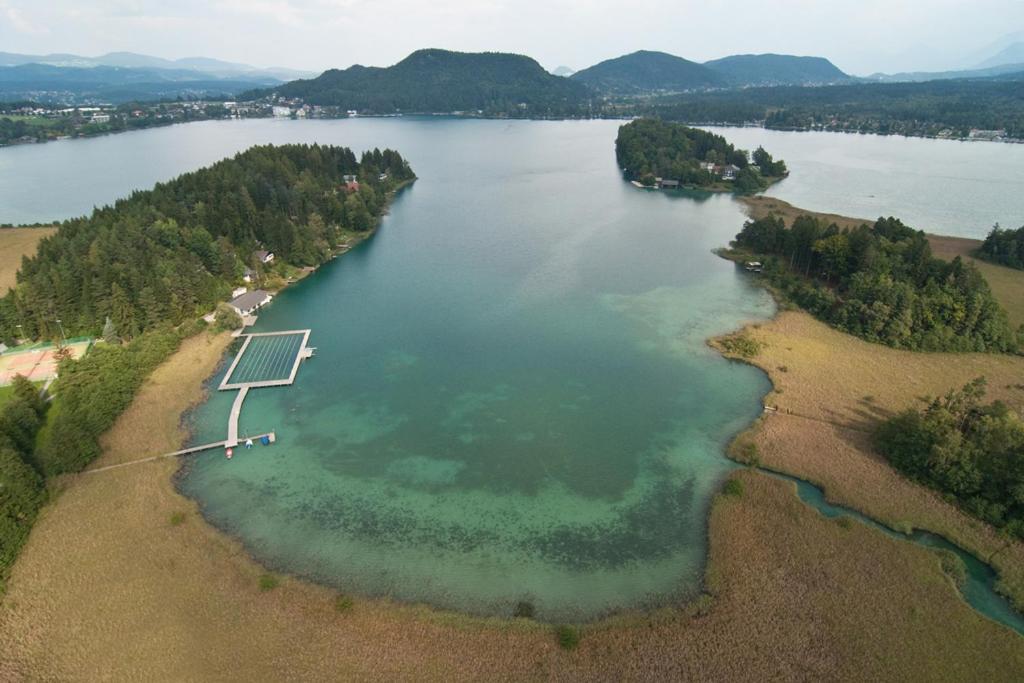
19,22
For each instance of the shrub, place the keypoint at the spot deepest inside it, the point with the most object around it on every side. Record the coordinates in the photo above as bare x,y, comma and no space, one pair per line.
524,610
268,582
177,518
343,603
568,637
733,487
226,319
741,345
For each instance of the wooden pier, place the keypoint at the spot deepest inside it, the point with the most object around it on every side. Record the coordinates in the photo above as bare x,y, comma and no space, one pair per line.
184,451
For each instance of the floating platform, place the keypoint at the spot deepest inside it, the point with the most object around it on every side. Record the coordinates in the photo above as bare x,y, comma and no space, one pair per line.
267,359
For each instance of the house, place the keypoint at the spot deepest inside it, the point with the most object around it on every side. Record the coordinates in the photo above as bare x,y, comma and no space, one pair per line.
382,177
100,118
238,291
249,302
352,186
729,172
248,275
669,185
264,256
282,112
708,166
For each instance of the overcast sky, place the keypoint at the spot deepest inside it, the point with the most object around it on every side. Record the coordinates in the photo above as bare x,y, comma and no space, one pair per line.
861,36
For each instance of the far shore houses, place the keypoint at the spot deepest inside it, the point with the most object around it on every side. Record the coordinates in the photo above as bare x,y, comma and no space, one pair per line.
246,303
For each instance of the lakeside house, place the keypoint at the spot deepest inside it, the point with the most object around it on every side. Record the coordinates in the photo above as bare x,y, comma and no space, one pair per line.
669,184
248,275
729,172
264,257
249,302
351,183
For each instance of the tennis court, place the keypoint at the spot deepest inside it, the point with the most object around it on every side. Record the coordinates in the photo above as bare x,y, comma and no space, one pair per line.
268,359
37,362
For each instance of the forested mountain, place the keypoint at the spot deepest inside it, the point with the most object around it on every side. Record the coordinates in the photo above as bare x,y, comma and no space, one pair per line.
171,253
645,71
880,282
43,82
648,148
771,69
936,108
430,81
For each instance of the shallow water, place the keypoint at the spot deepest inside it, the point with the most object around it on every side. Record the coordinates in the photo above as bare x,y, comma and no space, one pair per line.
512,398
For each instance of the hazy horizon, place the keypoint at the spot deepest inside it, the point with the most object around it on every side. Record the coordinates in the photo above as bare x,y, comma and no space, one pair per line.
314,35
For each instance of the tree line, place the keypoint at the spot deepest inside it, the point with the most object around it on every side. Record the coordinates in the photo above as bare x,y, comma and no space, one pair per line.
931,108
1004,246
171,253
970,451
880,283
650,148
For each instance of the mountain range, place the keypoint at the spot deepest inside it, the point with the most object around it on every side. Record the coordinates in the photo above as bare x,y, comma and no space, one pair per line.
648,72
211,67
115,84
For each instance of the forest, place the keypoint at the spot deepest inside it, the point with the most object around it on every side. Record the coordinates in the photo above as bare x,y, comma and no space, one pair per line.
880,283
169,254
931,108
1005,247
650,148
965,449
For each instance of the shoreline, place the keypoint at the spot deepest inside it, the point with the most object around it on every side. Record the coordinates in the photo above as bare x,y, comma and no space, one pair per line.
196,587
983,541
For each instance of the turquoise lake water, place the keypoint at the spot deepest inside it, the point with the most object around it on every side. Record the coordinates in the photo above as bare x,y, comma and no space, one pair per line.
512,398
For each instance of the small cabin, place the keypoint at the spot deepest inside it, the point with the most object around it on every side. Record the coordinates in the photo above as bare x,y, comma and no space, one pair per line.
669,184
264,257
250,301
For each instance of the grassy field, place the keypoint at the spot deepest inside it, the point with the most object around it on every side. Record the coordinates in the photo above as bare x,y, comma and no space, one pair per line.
15,243
155,593
832,389
1007,283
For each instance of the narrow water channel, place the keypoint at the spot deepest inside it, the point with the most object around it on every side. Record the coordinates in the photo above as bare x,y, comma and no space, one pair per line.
979,586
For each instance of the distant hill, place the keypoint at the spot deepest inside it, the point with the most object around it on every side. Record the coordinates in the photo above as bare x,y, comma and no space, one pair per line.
646,71
921,76
74,85
772,69
429,81
1011,54
206,65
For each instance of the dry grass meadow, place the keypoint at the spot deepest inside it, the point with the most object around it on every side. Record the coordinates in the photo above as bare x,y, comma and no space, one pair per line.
831,389
123,580
15,243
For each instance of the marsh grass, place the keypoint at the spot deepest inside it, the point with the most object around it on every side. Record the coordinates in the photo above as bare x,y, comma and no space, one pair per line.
268,582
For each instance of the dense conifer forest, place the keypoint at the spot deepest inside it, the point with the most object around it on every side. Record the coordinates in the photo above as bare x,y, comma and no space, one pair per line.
170,254
880,283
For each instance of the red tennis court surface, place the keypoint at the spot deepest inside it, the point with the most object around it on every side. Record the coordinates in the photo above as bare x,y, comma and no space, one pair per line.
38,364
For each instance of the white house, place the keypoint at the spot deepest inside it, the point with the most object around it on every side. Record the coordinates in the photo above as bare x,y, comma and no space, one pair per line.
729,172
264,256
282,112
248,275
238,291
250,301
100,118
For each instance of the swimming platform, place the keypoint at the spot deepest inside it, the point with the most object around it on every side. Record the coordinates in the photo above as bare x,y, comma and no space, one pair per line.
266,359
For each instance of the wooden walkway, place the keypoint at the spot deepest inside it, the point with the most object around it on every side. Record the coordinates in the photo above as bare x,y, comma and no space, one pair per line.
174,454
236,411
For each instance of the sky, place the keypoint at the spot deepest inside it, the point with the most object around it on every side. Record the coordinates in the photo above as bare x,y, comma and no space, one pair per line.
860,37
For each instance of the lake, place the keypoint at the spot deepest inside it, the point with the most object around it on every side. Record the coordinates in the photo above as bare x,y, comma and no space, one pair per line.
512,398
